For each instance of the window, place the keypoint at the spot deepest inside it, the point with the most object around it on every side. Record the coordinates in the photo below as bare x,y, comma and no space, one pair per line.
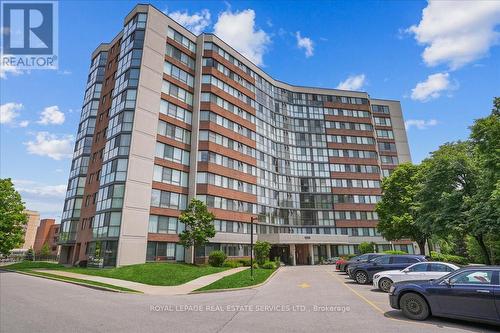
382,260
441,268
472,277
418,268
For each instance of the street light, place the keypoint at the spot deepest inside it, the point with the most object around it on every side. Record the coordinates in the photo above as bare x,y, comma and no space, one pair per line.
251,245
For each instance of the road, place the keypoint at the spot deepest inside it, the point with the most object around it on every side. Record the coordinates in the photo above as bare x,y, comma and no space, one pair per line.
296,299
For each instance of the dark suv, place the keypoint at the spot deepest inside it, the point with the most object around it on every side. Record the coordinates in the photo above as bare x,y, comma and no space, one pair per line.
363,273
357,260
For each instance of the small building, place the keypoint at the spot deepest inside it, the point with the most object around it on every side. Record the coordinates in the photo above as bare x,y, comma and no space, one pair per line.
47,233
30,228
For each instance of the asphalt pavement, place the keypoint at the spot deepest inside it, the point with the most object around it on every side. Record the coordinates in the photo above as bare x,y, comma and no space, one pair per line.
296,299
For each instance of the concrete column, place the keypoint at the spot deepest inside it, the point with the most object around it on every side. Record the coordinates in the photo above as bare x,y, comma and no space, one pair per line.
311,253
328,251
292,254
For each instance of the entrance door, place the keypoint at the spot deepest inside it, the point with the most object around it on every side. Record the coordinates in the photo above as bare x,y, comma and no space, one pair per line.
282,252
302,253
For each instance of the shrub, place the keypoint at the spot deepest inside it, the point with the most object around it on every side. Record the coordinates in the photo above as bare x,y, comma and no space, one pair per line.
436,256
232,263
30,255
216,258
277,262
268,265
262,252
366,247
245,262
394,252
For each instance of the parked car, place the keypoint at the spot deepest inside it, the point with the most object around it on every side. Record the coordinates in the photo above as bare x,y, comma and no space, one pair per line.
363,273
419,271
470,293
357,260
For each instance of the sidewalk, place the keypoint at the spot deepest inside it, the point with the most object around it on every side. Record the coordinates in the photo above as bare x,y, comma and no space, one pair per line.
147,289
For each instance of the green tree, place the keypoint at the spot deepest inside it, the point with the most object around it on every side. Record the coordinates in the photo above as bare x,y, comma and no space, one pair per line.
262,250
450,193
12,217
198,222
45,250
366,247
484,211
398,210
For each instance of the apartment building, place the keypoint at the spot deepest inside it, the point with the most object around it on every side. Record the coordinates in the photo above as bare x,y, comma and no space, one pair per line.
30,228
47,233
169,116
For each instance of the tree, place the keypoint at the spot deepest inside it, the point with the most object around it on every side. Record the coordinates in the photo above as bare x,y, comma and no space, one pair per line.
45,250
450,193
12,217
398,210
366,247
198,222
262,250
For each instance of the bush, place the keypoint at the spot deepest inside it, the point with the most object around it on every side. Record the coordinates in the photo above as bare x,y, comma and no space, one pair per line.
262,252
366,247
245,262
277,262
217,258
394,252
268,265
30,255
436,256
232,263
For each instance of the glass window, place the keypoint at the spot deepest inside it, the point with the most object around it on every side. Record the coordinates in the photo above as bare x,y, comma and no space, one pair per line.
472,277
418,268
441,268
382,260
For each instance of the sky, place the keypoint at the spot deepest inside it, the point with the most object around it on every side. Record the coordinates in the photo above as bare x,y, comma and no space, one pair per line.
440,59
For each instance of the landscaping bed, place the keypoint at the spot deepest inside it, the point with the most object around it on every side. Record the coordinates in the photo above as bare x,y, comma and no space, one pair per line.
240,280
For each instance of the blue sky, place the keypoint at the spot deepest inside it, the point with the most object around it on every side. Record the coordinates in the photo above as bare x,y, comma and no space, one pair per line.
441,60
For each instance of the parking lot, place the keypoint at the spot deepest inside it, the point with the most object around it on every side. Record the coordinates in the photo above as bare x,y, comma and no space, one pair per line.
378,301
296,299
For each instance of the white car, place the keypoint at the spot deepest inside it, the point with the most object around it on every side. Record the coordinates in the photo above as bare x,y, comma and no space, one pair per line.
427,270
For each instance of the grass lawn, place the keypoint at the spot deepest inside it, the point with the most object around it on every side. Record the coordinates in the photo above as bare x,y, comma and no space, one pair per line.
29,266
157,274
240,279
70,279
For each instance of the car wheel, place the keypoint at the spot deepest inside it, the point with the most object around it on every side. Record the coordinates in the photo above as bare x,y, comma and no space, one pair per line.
385,284
361,277
345,268
414,306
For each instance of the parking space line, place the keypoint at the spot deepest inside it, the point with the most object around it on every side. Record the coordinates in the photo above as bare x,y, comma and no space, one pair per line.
371,303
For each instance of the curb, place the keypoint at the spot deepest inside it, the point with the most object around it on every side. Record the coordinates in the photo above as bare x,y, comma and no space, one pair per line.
233,289
91,286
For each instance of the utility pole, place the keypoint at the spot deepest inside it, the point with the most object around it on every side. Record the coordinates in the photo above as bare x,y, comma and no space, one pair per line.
251,245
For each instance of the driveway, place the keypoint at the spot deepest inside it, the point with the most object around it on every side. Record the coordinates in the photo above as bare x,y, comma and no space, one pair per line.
296,299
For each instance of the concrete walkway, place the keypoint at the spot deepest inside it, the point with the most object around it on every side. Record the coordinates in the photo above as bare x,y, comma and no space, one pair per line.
182,289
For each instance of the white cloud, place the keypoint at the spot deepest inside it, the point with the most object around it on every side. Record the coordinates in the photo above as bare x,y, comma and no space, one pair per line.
420,123
24,123
51,145
353,82
51,115
45,198
238,30
305,43
196,23
457,32
39,189
9,112
432,87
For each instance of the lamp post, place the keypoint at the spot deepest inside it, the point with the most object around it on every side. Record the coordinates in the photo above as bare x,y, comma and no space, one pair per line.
251,245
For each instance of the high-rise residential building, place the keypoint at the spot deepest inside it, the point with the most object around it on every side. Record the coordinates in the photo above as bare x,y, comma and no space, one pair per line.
169,116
